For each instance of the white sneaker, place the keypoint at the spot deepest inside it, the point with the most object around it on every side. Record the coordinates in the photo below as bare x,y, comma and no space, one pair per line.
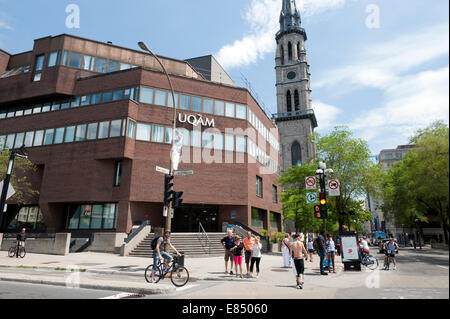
395,267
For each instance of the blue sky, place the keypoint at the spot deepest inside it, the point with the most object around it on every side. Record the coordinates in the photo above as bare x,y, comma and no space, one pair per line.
384,82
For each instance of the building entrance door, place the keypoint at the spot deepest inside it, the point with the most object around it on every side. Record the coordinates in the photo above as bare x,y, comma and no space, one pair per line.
187,219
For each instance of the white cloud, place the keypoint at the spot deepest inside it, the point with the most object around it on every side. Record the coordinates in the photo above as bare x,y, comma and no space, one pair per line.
263,18
3,22
326,115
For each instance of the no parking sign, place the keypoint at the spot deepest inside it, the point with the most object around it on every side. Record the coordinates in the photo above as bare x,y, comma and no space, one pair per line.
334,188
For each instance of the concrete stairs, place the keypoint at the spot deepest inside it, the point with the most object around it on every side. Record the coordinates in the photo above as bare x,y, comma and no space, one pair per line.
191,244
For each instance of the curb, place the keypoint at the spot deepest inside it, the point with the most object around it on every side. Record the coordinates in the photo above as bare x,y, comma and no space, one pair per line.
147,291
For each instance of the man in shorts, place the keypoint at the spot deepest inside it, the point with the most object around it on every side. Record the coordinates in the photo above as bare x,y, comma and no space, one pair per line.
298,251
248,245
160,251
228,243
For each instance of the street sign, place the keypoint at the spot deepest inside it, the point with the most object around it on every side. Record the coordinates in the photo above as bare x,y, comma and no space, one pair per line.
162,170
11,190
334,188
311,198
310,182
184,173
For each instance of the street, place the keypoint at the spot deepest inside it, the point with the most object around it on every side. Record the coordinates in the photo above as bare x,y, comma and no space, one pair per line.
420,274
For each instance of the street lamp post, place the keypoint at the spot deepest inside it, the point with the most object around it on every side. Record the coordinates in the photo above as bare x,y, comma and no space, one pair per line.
144,47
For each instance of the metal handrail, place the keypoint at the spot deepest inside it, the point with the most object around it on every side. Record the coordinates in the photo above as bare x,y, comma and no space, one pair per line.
203,232
136,231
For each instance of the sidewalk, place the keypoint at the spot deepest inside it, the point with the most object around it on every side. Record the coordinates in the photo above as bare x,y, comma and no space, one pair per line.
113,272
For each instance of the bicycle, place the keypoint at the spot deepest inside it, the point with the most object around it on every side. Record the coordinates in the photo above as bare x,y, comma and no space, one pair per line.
17,251
179,275
387,262
369,261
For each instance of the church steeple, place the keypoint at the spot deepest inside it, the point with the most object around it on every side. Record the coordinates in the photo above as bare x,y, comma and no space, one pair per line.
290,20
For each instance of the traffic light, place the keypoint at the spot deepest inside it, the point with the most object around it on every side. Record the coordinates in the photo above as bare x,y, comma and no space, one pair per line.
317,213
323,205
177,200
168,184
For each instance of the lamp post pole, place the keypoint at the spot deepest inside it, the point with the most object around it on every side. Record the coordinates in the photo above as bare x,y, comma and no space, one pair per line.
144,47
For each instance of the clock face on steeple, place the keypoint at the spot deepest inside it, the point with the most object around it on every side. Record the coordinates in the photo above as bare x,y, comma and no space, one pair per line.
291,75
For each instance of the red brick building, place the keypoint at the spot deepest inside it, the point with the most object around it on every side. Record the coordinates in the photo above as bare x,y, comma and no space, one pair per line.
96,120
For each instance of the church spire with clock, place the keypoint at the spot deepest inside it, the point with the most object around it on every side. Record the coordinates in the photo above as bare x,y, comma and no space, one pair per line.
295,119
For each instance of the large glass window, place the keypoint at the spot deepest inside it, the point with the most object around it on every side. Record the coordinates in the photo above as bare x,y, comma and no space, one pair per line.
143,132
103,130
70,134
96,216
92,131
75,60
45,108
274,194
158,134
168,138
257,218
85,217
170,99
59,135
53,58
76,102
113,66
48,138
218,141
39,63
196,138
241,145
131,129
160,97
85,100
106,97
185,102
29,217
196,104
241,111
80,135
38,136
219,108
115,128
259,186
10,141
117,95
274,220
207,140
19,140
208,106
88,62
146,95
124,66
96,98
101,65
185,133
229,110
109,216
229,143
65,58
28,139
118,174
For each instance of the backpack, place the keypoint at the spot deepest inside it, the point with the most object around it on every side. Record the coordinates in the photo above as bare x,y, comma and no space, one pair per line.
154,242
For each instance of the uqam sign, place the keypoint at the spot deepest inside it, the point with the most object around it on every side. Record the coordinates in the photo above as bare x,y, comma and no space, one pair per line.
196,120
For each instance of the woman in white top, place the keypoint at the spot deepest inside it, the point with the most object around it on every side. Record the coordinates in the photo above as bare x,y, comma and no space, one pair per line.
310,250
255,256
331,252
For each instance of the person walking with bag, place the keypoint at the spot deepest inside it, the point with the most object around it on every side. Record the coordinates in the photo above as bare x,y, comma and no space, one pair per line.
285,247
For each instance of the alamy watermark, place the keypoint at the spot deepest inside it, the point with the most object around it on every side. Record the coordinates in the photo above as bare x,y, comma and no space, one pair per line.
373,19
73,17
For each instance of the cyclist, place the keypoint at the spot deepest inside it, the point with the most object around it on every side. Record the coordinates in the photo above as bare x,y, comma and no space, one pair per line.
390,249
158,254
364,247
21,237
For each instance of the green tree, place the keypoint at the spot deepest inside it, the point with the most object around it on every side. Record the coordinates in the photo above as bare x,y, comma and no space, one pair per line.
19,179
350,159
418,186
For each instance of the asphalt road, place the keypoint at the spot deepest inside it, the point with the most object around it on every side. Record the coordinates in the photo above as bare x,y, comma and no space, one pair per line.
420,275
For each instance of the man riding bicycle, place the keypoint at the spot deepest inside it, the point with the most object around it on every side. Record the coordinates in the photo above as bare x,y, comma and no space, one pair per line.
159,255
21,237
390,249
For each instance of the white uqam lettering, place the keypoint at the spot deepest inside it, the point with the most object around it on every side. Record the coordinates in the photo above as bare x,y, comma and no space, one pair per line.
193,120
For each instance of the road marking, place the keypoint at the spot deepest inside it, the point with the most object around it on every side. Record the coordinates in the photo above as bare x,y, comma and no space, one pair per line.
442,266
121,296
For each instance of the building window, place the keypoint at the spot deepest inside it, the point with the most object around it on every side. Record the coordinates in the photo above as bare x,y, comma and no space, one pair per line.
92,131
218,142
160,97
54,58
59,135
70,134
196,104
88,62
296,100
185,102
131,129
170,98
101,65
143,132
146,95
241,145
196,138
273,220
48,138
28,217
208,106
118,174
289,101
282,54
168,138
106,97
229,110
274,194
229,143
257,218
158,134
113,66
289,51
296,152
207,140
117,95
115,128
100,216
219,108
241,111
65,58
259,186
38,68
80,135
103,130
75,60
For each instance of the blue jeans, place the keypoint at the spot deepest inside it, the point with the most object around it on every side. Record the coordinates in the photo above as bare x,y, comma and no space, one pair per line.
322,257
156,259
